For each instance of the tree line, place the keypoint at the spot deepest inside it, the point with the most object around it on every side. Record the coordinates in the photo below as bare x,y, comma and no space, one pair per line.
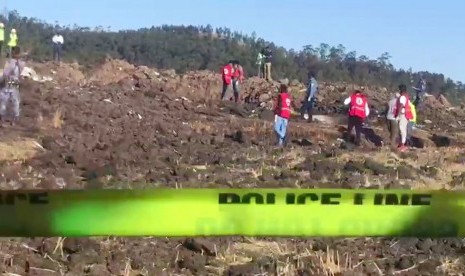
186,48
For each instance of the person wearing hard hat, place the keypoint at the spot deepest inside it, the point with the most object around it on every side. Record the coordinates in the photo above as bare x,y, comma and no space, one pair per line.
13,42
2,37
11,78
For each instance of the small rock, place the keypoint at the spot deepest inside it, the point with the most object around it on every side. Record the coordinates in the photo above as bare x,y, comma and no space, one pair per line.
243,269
267,115
405,173
371,268
99,269
201,246
241,137
48,143
425,244
347,146
264,97
377,168
284,81
305,142
353,166
441,141
404,263
196,263
265,262
217,140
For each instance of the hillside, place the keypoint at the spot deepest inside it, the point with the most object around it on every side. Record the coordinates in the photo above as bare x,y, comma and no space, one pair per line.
186,48
118,125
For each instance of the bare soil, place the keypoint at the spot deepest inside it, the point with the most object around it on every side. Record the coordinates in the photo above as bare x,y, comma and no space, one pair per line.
149,128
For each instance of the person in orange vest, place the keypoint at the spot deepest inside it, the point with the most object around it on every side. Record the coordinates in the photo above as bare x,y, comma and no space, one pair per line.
238,78
227,75
282,114
403,114
358,111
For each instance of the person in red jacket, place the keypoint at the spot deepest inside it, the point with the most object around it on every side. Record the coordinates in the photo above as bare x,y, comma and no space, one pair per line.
403,114
227,75
237,79
358,111
282,114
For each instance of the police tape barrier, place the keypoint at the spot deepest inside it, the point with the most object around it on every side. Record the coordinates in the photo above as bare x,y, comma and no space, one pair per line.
220,212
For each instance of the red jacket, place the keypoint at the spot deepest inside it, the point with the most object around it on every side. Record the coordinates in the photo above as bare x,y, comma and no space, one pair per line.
357,105
239,74
283,106
408,109
227,73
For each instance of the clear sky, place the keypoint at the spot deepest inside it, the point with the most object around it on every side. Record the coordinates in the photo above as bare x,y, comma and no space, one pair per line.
425,35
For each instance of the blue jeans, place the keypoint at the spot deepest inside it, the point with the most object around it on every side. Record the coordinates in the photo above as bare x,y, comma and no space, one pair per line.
280,127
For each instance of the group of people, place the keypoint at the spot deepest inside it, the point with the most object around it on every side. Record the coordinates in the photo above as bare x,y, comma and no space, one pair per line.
400,116
57,41
264,60
12,41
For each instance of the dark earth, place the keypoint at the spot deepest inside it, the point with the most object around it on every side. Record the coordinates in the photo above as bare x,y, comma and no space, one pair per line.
142,131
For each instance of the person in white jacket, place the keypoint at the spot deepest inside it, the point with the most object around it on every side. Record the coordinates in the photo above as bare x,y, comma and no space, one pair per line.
58,42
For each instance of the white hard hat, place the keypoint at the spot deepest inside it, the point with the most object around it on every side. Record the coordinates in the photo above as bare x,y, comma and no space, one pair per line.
13,30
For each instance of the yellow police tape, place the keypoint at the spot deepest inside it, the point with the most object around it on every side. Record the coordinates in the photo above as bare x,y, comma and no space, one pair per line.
220,212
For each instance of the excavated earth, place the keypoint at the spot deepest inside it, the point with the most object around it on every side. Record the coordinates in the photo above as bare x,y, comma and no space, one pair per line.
147,130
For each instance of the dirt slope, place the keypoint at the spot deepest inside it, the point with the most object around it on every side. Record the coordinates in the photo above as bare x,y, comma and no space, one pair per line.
141,127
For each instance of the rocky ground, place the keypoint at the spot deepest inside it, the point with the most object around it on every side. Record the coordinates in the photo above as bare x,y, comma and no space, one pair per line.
137,127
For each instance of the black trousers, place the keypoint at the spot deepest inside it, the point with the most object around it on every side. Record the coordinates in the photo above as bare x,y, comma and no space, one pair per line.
355,122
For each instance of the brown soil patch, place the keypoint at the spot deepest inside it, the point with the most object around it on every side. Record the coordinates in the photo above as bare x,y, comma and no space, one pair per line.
159,129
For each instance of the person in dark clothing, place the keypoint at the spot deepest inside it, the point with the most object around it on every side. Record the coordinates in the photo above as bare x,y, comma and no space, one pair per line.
310,98
268,56
420,90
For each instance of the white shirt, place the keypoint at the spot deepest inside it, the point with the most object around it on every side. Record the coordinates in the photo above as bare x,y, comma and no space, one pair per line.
391,107
403,102
367,109
58,39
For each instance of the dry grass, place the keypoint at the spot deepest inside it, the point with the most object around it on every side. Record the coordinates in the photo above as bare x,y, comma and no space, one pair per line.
314,132
199,127
57,120
451,266
293,157
19,150
288,259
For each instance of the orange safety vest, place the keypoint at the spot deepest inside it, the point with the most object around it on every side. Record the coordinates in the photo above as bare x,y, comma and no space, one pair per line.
408,108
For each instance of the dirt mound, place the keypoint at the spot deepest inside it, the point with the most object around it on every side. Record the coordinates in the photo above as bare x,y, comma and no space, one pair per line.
439,101
112,71
62,73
